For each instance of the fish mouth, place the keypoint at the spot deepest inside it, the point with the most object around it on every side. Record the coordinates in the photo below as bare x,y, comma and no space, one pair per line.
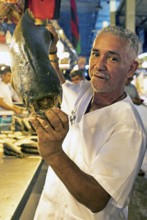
40,106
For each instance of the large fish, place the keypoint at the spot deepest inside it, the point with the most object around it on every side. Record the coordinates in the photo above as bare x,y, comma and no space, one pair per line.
33,77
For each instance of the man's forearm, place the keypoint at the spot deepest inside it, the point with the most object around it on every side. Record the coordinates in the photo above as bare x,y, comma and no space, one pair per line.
82,186
5,105
54,61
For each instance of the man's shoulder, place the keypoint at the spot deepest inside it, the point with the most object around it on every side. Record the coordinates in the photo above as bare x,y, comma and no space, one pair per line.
77,87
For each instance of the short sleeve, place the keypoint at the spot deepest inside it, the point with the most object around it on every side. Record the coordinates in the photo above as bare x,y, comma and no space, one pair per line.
118,163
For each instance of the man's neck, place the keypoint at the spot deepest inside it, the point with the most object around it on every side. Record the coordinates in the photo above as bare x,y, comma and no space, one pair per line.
99,101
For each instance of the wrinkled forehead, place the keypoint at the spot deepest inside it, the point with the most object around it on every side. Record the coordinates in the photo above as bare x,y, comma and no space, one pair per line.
110,42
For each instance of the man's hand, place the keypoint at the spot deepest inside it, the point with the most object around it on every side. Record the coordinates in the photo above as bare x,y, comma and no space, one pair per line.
51,132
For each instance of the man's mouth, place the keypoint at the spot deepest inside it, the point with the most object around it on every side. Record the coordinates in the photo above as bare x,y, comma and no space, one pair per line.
101,76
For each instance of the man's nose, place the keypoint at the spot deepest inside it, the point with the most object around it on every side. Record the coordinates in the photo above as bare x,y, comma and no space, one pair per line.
100,62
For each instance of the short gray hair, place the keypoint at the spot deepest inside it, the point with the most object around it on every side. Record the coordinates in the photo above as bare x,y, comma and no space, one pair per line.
129,36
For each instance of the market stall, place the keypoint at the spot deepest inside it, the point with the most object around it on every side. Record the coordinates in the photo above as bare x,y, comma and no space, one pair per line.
22,170
19,180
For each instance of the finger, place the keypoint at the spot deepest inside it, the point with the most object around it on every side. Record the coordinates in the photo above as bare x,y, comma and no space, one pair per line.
63,117
35,123
41,131
46,125
55,120
53,133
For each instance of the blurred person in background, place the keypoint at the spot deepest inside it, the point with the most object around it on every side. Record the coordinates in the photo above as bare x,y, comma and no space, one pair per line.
76,76
132,92
6,100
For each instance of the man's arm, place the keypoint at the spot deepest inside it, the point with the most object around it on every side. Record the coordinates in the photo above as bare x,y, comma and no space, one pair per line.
82,186
14,108
53,53
5,105
54,61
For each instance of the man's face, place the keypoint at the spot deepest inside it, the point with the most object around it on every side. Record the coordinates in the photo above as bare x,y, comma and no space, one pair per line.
6,77
110,64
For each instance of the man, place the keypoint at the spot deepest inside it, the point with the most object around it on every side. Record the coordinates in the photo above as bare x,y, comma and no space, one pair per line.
93,162
6,101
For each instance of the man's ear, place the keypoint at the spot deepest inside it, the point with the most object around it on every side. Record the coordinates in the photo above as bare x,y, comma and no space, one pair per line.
134,66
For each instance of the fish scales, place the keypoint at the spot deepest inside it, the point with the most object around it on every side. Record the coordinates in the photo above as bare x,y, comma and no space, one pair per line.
33,77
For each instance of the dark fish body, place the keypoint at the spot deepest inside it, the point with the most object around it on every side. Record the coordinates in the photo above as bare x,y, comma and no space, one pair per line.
33,77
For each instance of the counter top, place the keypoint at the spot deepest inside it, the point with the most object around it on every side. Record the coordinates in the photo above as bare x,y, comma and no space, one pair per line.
17,177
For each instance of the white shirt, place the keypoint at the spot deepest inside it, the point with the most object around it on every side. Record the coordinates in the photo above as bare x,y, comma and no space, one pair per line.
109,144
5,94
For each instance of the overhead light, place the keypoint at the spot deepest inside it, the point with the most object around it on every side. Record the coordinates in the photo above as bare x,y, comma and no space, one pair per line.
87,66
64,66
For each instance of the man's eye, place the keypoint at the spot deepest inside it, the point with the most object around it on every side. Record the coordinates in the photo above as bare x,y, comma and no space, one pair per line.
96,54
114,59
